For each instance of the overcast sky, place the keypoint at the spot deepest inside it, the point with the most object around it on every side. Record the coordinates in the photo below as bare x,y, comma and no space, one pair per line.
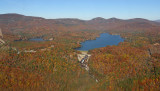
83,9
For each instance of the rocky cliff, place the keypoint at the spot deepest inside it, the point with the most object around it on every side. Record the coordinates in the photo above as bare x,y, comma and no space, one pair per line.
1,36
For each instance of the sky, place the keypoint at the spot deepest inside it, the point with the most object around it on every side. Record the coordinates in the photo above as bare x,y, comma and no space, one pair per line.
83,9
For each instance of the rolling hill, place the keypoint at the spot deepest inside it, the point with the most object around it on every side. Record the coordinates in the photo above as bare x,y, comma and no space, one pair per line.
157,20
30,26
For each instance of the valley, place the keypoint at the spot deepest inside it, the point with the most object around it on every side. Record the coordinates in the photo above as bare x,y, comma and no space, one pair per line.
131,64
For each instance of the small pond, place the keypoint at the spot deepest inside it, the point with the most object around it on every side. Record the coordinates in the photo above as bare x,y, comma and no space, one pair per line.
36,39
102,41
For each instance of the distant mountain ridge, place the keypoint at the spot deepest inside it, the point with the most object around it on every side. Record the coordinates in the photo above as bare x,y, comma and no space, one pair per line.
157,20
16,23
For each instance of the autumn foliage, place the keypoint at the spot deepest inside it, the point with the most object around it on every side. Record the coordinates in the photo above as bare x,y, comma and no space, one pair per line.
133,65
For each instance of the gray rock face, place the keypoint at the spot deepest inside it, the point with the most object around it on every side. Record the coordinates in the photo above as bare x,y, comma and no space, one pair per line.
1,41
1,36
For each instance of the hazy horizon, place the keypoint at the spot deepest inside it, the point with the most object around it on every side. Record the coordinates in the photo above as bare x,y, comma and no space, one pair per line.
80,18
83,9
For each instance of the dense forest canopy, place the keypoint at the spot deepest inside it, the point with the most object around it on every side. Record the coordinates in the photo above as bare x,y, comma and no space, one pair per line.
53,64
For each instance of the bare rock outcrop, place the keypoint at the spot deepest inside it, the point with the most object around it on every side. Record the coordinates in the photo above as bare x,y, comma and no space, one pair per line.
1,36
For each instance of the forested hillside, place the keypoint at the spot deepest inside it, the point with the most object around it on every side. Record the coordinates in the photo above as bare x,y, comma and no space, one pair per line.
53,64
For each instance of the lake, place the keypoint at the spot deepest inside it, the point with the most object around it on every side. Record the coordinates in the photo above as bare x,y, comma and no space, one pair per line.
102,41
37,39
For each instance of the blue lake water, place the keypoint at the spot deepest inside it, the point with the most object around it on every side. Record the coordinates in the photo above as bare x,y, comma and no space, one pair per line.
37,39
102,41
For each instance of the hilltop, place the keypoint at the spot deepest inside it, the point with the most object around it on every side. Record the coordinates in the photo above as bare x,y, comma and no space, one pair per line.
16,24
157,20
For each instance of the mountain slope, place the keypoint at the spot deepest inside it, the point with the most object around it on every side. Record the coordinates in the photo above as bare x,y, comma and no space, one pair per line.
157,20
17,24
